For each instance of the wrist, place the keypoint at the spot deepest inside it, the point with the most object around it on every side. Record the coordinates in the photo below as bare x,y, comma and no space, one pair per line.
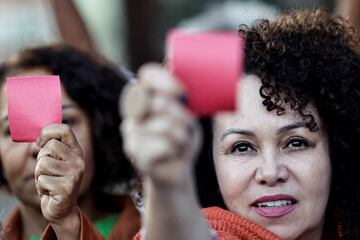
179,183
69,226
168,176
169,195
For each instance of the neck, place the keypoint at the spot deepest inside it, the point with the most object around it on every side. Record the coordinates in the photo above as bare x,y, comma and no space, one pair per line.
87,205
29,226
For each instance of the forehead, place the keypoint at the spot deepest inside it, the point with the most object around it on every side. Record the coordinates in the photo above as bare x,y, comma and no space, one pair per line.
250,112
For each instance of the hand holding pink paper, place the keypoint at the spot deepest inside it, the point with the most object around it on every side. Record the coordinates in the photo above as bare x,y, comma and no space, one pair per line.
209,64
34,102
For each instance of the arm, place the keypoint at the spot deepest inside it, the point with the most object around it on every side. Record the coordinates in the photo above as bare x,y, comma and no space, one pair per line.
173,213
71,26
87,231
350,9
163,145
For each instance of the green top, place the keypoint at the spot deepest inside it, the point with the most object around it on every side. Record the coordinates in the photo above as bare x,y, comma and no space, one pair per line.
104,226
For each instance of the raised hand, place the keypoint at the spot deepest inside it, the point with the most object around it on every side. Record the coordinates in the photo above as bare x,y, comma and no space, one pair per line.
58,173
164,138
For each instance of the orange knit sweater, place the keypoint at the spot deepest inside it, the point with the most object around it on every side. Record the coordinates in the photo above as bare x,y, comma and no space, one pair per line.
230,226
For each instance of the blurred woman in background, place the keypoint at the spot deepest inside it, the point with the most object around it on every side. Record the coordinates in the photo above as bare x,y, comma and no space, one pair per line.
82,157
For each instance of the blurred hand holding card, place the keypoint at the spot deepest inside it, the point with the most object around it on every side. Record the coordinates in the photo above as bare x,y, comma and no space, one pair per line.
34,102
209,64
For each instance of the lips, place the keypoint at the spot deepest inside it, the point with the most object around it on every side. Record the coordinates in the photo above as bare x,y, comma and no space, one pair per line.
274,206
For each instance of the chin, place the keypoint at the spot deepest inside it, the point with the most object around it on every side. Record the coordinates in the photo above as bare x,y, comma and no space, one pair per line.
298,230
286,235
294,233
285,232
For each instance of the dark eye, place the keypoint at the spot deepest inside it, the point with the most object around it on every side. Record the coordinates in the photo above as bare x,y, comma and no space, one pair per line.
68,121
242,147
6,131
297,143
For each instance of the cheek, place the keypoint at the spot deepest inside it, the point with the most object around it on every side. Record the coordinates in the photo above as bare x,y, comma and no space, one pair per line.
234,180
83,135
313,170
89,158
318,178
312,174
14,161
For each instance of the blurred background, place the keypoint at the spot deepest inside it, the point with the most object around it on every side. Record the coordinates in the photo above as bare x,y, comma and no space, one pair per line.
127,32
131,32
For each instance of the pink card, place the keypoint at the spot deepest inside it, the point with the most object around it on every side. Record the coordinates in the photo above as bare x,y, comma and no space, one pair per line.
209,64
34,102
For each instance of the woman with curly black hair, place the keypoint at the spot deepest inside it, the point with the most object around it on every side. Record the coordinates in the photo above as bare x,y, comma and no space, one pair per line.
87,145
284,165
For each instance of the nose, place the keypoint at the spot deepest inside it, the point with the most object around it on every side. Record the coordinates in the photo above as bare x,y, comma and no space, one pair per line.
271,171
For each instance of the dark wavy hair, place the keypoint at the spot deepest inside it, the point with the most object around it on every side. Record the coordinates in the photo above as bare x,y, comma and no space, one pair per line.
303,57
95,86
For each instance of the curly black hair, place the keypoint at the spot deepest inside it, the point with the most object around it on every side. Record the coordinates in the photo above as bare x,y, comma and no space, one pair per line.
95,86
303,57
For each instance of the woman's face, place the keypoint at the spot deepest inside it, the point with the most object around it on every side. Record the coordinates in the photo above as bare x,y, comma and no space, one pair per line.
271,169
19,159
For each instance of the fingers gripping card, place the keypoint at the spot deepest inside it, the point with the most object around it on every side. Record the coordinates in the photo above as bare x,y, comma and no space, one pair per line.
34,102
209,64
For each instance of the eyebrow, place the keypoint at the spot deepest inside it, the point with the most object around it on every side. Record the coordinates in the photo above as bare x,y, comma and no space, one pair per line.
237,131
252,134
68,105
291,127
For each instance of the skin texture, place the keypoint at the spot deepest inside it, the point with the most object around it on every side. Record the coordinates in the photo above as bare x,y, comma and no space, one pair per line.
52,172
295,162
